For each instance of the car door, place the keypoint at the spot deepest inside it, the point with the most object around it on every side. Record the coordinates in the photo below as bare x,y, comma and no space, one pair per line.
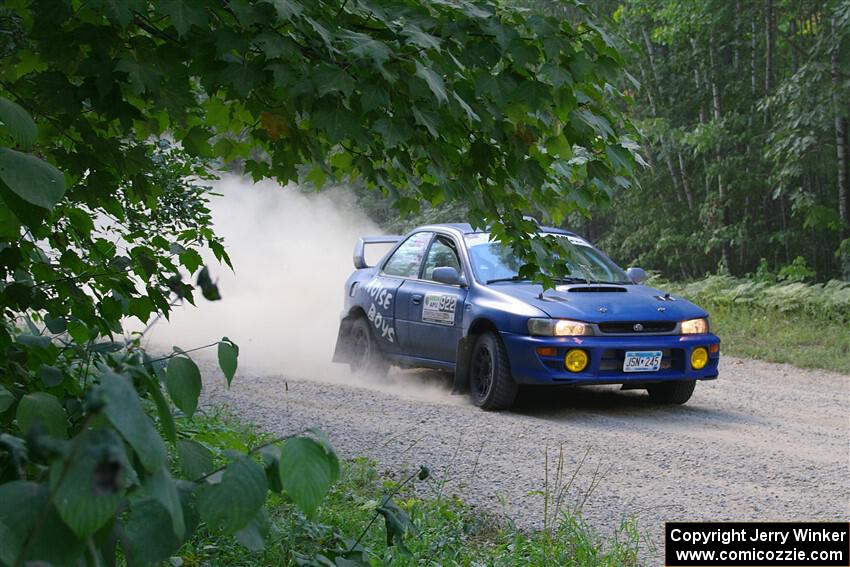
434,310
384,308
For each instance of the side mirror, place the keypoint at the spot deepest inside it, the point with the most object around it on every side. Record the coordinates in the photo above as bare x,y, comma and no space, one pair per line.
637,275
447,275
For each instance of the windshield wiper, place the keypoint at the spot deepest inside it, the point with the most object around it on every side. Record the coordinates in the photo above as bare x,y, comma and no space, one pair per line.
510,279
569,280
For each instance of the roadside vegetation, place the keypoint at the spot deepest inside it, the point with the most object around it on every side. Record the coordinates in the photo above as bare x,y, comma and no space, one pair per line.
803,324
439,528
112,118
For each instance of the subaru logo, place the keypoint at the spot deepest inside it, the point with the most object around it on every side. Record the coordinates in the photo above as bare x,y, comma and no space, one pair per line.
638,327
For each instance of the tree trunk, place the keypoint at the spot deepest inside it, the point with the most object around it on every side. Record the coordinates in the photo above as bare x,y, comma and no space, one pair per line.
768,55
795,64
753,78
665,146
685,185
652,107
842,153
736,54
699,89
721,188
650,51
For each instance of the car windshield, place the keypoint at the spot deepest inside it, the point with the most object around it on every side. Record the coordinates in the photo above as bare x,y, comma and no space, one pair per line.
494,262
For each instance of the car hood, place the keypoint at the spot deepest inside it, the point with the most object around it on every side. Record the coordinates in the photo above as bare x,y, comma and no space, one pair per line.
599,303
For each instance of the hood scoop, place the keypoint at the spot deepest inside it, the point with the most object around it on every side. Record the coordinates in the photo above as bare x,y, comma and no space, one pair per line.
597,289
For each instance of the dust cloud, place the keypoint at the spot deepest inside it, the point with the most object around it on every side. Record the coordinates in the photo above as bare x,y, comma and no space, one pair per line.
292,253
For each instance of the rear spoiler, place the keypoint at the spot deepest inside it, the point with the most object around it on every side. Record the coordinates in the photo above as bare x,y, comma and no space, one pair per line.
360,248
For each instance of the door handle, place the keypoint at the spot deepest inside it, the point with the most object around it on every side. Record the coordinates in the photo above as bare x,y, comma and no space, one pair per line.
416,298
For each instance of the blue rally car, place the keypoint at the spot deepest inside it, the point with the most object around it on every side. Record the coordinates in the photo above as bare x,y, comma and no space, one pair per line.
448,297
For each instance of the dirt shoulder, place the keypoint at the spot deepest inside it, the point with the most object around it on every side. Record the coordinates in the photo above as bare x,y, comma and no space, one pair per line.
765,442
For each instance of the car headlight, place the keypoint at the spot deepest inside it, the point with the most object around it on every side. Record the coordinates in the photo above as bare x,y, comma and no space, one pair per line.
558,327
695,326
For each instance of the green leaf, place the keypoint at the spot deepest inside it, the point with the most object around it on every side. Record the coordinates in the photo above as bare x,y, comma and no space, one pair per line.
166,418
19,123
307,470
435,82
253,536
26,513
89,488
19,501
195,459
50,376
123,408
330,78
338,123
32,179
196,141
231,504
397,523
394,132
183,381
271,462
162,487
366,47
619,157
227,358
191,260
78,331
148,540
418,37
473,117
7,399
208,288
427,119
599,123
184,14
10,226
286,9
45,410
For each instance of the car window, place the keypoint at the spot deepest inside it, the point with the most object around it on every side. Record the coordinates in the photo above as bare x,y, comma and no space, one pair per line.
407,258
493,261
442,254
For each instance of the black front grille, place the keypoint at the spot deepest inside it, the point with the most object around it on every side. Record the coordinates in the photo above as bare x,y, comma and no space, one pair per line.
637,327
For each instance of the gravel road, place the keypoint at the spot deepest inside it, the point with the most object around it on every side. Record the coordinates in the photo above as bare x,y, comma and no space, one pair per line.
764,442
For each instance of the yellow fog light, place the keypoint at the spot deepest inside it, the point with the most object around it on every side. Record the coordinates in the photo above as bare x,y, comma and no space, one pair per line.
699,358
576,360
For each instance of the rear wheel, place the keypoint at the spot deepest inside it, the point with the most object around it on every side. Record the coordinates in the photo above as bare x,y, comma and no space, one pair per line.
677,392
490,382
366,358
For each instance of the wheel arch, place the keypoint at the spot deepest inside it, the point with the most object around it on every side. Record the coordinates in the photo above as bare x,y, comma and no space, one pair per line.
464,351
342,351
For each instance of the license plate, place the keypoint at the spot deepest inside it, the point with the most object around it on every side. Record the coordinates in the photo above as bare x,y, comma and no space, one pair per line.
642,361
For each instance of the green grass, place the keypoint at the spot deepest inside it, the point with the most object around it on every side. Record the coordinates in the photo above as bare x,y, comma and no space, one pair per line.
448,531
793,338
807,325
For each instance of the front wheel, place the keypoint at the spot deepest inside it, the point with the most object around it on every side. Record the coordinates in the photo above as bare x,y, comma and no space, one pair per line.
677,392
366,358
490,382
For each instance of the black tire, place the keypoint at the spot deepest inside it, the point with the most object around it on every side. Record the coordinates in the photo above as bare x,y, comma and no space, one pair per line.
366,357
491,385
674,392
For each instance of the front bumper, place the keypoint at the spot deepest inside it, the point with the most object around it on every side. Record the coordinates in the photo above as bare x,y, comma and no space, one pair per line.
606,358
